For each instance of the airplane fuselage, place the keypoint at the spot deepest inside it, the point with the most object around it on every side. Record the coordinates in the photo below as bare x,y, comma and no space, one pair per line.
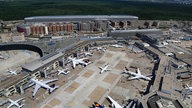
14,103
104,69
139,76
77,61
41,84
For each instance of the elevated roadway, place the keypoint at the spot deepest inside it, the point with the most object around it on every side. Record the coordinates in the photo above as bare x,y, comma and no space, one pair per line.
17,46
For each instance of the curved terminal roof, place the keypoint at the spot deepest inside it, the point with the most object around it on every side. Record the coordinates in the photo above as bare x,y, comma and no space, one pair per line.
79,18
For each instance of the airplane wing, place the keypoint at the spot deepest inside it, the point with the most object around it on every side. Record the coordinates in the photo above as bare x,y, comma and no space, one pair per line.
84,63
136,77
59,72
108,69
74,63
187,85
81,53
21,106
103,50
36,88
29,84
148,75
114,103
138,71
130,73
19,99
100,68
48,81
90,54
10,105
83,59
66,69
101,71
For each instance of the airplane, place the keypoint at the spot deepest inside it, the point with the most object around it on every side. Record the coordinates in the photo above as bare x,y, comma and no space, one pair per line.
187,86
137,51
63,71
39,84
100,49
15,103
173,41
78,61
186,91
104,69
12,72
117,46
137,75
2,57
114,103
87,53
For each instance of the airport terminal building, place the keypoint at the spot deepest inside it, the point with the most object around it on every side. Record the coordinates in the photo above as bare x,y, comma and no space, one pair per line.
45,25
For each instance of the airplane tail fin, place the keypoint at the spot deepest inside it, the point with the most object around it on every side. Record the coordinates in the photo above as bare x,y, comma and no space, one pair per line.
138,71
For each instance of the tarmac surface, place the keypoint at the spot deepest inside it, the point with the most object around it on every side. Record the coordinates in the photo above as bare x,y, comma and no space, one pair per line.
89,86
85,85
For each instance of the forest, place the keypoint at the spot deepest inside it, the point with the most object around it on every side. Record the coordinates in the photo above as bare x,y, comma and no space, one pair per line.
19,9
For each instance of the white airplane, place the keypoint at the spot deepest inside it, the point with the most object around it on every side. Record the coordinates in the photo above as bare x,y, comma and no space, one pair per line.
15,103
100,49
137,51
114,103
137,75
173,41
87,53
39,84
188,88
117,46
186,91
78,61
12,72
63,71
104,69
2,57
